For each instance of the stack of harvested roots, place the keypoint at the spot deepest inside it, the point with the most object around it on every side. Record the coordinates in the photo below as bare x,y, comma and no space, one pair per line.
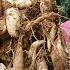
30,35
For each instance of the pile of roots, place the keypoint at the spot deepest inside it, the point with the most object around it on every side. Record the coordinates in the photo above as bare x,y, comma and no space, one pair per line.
30,37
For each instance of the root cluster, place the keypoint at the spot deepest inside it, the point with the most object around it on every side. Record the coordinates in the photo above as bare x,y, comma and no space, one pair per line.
30,36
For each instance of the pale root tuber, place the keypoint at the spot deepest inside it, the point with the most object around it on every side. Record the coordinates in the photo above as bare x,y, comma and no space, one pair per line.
18,62
13,21
58,56
33,48
32,52
20,3
2,66
47,6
